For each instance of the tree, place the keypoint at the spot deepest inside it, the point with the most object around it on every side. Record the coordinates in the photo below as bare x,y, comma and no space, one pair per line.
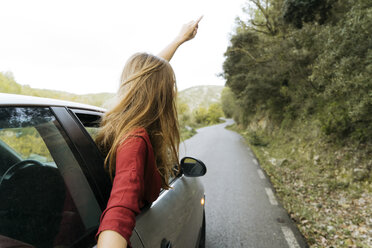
201,115
298,12
286,73
184,115
228,102
214,113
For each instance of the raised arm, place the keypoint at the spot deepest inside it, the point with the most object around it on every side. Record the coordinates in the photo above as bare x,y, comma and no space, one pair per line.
187,32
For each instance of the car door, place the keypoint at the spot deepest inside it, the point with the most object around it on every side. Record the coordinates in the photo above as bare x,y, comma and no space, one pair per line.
174,219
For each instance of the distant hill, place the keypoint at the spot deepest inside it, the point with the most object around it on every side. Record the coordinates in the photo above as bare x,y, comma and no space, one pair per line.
9,85
200,96
193,97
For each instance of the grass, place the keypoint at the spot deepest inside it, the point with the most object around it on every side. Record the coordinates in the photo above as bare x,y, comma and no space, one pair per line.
326,188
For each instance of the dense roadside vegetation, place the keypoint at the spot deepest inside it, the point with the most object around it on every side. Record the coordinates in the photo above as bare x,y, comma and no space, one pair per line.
197,106
298,77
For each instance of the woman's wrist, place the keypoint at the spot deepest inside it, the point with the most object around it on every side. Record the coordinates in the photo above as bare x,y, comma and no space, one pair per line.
178,41
111,239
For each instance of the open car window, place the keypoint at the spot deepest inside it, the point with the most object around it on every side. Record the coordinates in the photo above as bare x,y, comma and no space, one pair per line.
90,120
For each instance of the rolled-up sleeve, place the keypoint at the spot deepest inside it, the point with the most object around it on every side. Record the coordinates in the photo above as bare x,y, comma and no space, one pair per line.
128,189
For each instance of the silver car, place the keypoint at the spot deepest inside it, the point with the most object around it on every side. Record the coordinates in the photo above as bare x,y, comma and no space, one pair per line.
53,187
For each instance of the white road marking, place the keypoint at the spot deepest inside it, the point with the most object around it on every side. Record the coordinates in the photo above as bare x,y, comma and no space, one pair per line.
289,236
255,161
260,174
271,196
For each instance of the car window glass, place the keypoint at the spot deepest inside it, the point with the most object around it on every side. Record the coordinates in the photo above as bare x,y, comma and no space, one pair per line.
45,199
23,140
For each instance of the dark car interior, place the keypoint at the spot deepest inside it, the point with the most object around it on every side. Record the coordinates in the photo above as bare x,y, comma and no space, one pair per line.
31,204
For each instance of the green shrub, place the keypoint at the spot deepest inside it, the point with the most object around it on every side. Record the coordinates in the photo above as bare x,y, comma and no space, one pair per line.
336,121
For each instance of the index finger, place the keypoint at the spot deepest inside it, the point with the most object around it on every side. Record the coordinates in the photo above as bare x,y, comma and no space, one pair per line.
197,21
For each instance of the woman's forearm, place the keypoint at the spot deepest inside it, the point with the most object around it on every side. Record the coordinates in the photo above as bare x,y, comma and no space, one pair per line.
168,52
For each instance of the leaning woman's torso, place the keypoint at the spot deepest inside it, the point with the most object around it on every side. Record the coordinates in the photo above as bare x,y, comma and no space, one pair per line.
137,182
152,179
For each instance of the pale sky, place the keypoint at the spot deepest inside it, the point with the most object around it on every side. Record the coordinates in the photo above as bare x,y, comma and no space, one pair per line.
82,46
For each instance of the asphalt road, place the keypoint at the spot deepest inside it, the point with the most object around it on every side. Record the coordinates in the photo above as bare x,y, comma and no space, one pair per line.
241,210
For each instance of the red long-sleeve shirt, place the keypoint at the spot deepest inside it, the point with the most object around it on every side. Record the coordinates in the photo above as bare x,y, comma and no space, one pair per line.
137,182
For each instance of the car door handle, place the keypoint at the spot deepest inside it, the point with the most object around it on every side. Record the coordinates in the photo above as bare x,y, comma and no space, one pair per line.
166,244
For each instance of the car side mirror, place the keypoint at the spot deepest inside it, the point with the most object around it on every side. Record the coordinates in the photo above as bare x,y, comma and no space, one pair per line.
192,167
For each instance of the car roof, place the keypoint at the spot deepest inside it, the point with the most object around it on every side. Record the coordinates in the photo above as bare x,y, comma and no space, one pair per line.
22,100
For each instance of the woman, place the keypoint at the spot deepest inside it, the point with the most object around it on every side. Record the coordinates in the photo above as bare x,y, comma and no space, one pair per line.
140,136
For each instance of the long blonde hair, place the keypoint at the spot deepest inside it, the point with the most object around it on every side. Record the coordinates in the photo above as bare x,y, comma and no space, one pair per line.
146,98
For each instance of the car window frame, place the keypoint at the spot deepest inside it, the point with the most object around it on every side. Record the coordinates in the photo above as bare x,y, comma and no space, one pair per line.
82,145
